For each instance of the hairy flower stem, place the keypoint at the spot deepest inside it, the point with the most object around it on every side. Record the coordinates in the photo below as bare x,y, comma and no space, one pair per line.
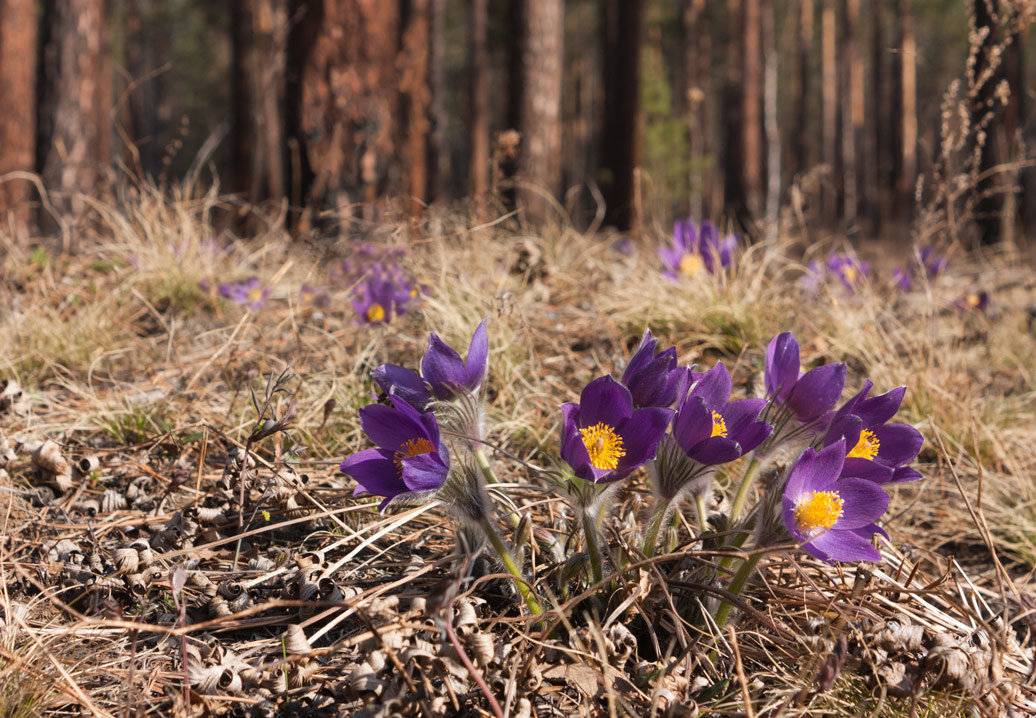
592,546
511,566
736,585
657,520
742,491
703,515
490,477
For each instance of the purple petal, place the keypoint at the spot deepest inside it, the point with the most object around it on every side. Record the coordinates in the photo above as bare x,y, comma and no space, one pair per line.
844,426
442,367
641,434
399,381
879,409
903,474
816,392
424,472
795,486
897,443
863,503
739,414
751,436
478,357
782,365
374,472
714,387
866,469
606,401
640,359
716,450
693,423
388,427
844,546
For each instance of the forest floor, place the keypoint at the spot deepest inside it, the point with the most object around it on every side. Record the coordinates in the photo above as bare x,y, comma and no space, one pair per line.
128,561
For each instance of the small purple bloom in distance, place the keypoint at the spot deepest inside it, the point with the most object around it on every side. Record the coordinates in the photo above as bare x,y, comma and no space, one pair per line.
850,270
834,518
409,462
696,248
250,292
603,438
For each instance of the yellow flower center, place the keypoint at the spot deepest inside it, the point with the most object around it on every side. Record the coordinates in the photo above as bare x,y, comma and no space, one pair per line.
817,512
850,273
412,447
690,265
972,299
603,445
375,313
719,426
255,294
866,447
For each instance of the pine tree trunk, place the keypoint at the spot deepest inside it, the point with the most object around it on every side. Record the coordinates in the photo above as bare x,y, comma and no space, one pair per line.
800,160
907,118
18,122
74,136
752,106
478,98
733,200
696,92
440,176
830,95
878,139
543,23
271,32
852,113
242,90
413,84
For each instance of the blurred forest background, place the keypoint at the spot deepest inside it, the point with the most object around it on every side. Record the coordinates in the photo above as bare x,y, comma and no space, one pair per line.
622,111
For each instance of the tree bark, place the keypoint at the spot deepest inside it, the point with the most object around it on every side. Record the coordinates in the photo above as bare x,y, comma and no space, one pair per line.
907,118
752,106
878,139
543,23
852,112
242,90
696,94
800,160
733,200
271,30
478,103
18,122
830,95
75,100
416,96
341,102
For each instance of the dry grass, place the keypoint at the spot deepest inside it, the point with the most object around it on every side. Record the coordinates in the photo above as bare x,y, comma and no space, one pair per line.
123,355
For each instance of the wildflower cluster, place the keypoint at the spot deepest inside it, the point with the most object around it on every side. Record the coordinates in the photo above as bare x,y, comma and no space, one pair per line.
381,288
695,248
842,267
680,425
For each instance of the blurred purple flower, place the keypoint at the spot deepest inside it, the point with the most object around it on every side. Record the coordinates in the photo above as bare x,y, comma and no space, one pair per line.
849,269
833,514
695,248
250,292
928,261
387,292
973,302
902,279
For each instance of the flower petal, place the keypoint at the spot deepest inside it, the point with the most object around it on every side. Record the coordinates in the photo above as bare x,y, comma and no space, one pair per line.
897,443
782,365
442,367
739,414
388,427
693,423
816,391
424,472
714,387
845,546
641,434
903,474
716,450
640,359
857,468
405,383
606,401
478,357
879,409
374,473
863,502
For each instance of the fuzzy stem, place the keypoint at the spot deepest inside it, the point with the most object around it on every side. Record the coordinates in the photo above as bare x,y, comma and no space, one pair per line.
736,585
490,477
511,566
703,515
592,546
659,517
742,490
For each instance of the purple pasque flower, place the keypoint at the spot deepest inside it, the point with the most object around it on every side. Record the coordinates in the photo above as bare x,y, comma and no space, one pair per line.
902,279
655,379
409,462
877,449
930,262
250,292
806,396
445,373
386,293
603,438
708,429
695,248
972,302
831,514
849,269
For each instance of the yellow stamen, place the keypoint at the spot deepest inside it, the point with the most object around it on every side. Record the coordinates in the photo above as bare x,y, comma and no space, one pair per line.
411,447
375,313
690,265
817,511
850,273
972,299
603,445
719,426
254,295
866,447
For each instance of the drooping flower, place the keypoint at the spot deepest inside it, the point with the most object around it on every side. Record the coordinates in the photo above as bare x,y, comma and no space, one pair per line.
877,449
445,373
655,379
695,248
807,396
708,429
603,438
409,462
250,292
386,293
831,514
